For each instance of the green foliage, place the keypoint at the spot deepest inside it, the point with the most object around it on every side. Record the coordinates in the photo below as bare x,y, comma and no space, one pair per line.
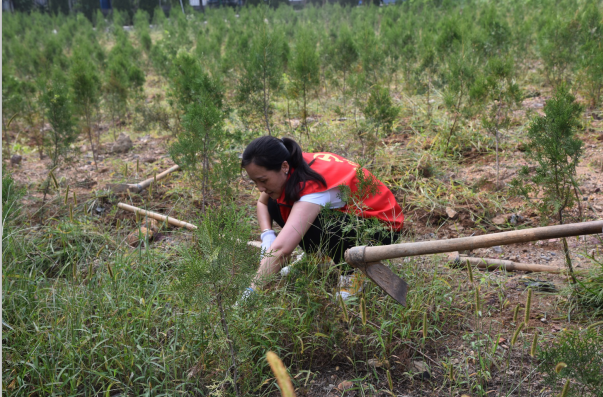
371,53
142,30
460,72
345,55
59,6
380,108
125,12
494,37
123,78
582,352
262,74
305,69
11,207
591,62
558,43
60,116
215,271
220,264
499,93
203,145
590,295
554,150
89,8
86,85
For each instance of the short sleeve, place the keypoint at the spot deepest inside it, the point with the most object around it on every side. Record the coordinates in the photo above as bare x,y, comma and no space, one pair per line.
330,197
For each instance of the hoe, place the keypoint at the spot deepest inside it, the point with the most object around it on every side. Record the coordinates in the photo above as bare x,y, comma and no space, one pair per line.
368,259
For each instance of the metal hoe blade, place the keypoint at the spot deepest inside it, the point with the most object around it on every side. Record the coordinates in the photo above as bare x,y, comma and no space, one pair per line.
383,276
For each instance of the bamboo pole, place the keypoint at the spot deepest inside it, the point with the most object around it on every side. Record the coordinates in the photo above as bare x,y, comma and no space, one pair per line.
494,264
171,221
159,217
144,184
137,187
361,256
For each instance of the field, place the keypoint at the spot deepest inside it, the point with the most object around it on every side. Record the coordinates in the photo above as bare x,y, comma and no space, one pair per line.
480,116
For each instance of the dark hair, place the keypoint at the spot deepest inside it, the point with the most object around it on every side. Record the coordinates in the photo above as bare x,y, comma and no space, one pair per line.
270,152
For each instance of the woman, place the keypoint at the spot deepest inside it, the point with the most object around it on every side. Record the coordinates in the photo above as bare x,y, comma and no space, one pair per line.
294,188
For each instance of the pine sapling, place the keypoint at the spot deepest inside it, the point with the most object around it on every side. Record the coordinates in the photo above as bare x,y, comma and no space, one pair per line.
216,270
554,150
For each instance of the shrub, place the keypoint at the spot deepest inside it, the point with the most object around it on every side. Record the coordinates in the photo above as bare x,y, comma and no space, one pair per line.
582,352
380,108
59,109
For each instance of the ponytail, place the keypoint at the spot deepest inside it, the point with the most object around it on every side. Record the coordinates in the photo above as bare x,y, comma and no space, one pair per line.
270,152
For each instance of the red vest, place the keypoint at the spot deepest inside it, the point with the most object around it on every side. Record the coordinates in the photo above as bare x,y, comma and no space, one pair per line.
338,171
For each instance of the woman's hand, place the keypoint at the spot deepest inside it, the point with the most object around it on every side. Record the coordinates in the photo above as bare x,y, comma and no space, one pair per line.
300,219
268,238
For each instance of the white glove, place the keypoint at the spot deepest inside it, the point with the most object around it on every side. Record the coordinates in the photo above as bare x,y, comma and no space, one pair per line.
245,296
287,269
268,238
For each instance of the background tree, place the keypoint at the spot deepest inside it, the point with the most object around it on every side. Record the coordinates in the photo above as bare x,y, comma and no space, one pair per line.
380,108
345,54
372,56
123,77
12,104
305,70
126,10
500,93
203,145
558,44
262,74
88,8
556,150
142,29
60,116
148,6
380,113
591,60
59,6
460,73
86,85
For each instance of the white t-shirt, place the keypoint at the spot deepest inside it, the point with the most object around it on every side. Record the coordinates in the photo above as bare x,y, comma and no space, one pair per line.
330,196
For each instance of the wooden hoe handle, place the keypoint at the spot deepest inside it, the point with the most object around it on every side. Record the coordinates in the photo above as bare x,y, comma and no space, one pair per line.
368,259
359,256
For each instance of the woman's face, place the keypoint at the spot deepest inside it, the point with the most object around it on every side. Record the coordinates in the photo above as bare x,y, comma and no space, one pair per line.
270,182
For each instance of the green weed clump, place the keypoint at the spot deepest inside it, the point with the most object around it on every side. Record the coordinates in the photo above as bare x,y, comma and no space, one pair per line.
590,293
582,354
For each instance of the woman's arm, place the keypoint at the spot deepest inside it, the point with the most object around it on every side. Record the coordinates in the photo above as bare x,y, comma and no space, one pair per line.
300,219
264,218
